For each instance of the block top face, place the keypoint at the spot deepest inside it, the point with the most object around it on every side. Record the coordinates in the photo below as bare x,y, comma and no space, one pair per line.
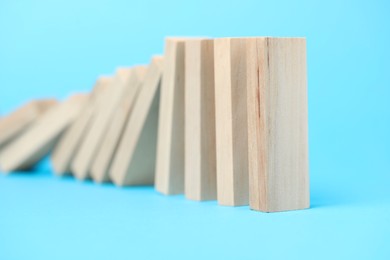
183,39
78,97
157,61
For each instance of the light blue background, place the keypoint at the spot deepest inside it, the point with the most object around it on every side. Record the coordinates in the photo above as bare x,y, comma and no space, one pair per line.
52,48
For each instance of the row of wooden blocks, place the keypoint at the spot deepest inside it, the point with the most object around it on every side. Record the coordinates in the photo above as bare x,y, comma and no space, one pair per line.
216,119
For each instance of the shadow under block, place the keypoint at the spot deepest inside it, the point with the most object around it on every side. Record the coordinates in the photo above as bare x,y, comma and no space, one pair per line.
134,161
42,136
81,166
67,146
102,162
277,124
19,121
200,155
231,121
170,147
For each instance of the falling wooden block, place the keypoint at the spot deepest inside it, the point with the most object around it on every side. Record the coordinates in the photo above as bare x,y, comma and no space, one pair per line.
134,160
170,147
68,145
81,166
102,162
17,122
40,138
277,124
200,154
231,121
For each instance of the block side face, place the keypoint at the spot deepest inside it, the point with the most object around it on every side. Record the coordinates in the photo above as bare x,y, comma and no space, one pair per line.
207,124
165,118
223,118
192,127
257,78
123,159
287,120
67,146
40,138
176,172
239,121
141,170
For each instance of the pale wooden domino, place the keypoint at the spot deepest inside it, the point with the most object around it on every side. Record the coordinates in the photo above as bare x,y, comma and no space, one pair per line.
68,145
102,162
81,165
200,153
41,137
231,121
134,160
170,147
18,121
277,124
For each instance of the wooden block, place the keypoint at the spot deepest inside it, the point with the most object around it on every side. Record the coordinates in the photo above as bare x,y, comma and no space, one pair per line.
134,161
278,124
81,165
18,121
231,121
170,147
68,145
41,137
200,154
102,162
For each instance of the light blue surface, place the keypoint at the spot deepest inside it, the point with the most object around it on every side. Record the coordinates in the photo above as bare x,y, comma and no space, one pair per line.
52,48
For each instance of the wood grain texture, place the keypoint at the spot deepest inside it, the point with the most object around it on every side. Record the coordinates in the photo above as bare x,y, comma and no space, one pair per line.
278,124
102,162
42,136
200,153
231,121
18,121
170,147
68,145
134,160
81,166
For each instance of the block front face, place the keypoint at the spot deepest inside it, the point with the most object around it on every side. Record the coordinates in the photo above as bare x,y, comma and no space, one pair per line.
200,161
193,119
231,133
277,124
170,148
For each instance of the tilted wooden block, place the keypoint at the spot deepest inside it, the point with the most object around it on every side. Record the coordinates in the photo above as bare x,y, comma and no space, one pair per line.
231,121
170,147
68,145
18,121
81,166
200,153
277,124
41,137
134,160
102,162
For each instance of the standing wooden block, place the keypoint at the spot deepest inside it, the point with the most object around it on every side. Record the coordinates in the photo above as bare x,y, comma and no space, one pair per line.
102,162
170,147
41,137
200,154
68,145
231,121
18,121
277,124
134,160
